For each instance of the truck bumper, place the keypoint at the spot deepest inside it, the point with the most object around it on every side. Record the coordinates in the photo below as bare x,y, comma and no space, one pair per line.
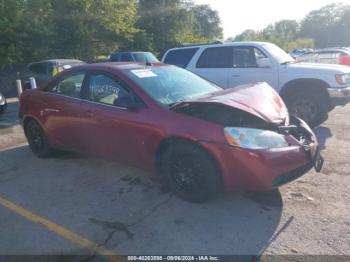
339,96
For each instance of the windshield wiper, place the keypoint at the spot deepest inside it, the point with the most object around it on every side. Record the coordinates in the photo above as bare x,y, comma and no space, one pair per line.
172,105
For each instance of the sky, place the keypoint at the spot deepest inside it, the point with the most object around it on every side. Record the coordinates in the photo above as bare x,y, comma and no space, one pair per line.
237,16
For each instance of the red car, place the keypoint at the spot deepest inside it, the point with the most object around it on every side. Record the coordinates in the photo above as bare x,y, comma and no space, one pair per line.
198,137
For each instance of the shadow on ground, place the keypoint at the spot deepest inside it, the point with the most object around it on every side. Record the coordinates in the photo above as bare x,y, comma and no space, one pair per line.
120,208
322,133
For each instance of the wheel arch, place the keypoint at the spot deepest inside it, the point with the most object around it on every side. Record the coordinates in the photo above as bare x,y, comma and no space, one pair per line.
28,118
299,85
168,141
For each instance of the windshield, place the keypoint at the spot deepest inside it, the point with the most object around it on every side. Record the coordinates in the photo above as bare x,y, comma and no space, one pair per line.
145,57
279,54
170,84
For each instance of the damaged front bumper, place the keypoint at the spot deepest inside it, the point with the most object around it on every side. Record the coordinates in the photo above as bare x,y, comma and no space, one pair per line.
316,163
256,170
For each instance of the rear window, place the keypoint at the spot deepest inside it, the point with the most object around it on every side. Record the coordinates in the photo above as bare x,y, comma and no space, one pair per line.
180,57
126,57
39,68
216,57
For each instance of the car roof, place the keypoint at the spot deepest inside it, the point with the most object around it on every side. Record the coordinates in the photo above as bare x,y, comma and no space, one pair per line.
334,49
119,66
57,61
221,44
133,52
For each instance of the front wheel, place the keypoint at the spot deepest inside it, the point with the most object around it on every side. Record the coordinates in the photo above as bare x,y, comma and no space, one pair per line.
308,106
37,140
190,172
3,108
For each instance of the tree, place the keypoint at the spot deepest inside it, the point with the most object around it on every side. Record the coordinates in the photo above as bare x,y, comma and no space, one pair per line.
172,22
9,23
85,29
323,25
208,22
282,33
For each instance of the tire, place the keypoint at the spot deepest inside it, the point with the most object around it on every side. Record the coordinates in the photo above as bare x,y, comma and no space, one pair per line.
37,140
3,108
308,106
190,172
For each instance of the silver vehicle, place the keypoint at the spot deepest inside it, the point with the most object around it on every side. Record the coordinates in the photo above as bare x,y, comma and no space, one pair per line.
44,70
335,55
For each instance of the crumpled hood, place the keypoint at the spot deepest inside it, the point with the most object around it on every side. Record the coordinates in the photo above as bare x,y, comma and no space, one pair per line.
258,99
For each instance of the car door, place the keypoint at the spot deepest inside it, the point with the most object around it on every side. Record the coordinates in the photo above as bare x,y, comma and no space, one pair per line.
214,65
246,67
61,112
111,130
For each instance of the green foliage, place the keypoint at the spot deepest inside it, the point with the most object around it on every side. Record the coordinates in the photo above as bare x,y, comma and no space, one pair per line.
329,26
326,27
173,22
85,29
282,33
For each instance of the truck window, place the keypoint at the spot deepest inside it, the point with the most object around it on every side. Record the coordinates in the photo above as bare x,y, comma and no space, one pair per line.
180,57
246,57
126,57
38,68
216,57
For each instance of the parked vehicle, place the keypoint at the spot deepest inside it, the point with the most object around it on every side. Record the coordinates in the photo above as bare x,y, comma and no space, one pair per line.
300,52
45,70
143,57
3,103
310,91
195,135
336,55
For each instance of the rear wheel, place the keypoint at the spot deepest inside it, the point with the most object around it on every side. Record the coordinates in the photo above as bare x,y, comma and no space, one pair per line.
309,106
190,172
37,140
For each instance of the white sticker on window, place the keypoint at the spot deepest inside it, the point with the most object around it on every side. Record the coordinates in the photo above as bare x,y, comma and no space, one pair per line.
143,73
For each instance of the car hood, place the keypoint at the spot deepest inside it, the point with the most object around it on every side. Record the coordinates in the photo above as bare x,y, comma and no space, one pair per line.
317,68
258,99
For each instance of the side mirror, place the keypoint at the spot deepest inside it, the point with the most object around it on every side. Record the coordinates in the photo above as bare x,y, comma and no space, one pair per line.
128,102
264,63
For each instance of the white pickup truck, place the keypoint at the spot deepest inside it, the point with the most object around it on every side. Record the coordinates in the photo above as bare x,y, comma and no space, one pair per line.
309,90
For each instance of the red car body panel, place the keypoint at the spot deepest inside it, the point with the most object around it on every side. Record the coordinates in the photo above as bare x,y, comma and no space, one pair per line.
134,137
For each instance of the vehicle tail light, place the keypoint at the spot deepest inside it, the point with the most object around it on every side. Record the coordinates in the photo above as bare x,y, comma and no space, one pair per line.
344,59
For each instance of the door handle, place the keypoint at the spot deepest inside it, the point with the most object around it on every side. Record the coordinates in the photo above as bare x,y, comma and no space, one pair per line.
51,110
236,75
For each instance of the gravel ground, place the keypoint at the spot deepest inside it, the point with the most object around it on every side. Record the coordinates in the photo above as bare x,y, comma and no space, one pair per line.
122,209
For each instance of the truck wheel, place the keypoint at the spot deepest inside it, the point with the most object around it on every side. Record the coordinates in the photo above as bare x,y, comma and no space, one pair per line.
190,172
37,140
308,106
3,108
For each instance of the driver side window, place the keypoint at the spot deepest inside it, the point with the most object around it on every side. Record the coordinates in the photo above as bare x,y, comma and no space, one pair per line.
105,90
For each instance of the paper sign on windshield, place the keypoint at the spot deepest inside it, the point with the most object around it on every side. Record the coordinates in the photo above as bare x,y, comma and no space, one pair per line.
143,73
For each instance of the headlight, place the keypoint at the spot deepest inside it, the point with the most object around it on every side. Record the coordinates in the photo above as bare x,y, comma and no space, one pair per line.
343,79
254,138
